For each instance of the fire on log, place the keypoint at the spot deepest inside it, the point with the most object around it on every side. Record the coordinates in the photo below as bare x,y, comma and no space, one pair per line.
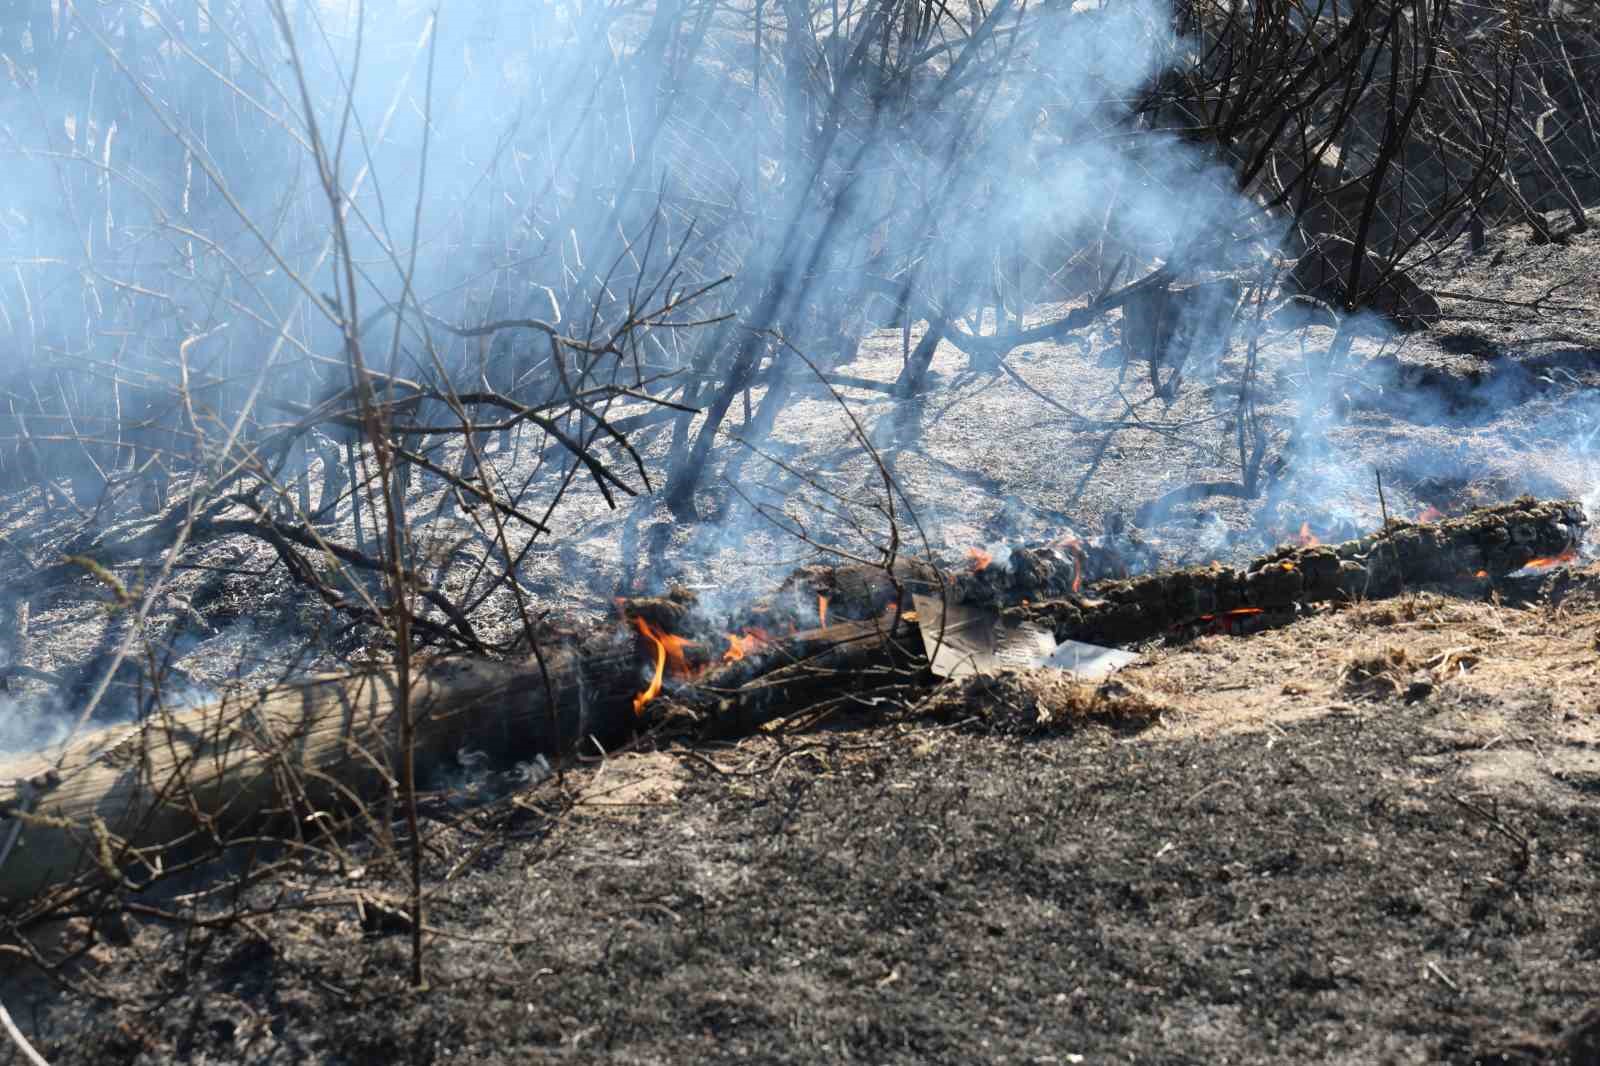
1489,542
125,799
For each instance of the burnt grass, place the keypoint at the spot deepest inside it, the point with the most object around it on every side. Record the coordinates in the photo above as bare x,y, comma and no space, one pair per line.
928,892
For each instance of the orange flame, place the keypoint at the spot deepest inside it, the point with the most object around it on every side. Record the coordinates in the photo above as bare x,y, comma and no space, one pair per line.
668,647
1305,538
979,559
1429,514
739,647
1229,621
1069,542
1234,621
1570,555
822,610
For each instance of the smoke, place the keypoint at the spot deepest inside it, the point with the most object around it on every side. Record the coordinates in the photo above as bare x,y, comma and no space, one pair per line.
168,187
177,175
28,725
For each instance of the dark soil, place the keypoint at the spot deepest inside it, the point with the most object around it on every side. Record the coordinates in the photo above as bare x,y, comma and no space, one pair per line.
924,891
1370,836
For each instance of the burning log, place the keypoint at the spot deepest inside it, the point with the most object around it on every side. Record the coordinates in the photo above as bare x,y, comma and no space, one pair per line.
1490,542
131,800
127,802
856,592
744,694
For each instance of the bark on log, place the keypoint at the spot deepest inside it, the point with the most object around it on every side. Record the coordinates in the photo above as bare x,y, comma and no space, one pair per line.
130,796
1493,540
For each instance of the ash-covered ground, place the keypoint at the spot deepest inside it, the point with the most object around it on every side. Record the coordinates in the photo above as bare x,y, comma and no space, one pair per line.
1296,852
1368,836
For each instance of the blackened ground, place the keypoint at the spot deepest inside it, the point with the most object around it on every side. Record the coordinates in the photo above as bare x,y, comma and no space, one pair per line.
925,891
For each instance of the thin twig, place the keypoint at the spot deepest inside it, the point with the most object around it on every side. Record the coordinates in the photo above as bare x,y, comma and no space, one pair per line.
18,1039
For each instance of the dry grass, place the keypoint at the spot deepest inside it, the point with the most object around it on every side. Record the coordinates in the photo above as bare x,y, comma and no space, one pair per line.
1380,674
1042,701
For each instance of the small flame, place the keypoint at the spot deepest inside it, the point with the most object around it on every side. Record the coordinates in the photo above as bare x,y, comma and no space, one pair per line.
1235,621
668,647
979,559
1305,538
1429,514
1544,563
822,610
741,646
1069,542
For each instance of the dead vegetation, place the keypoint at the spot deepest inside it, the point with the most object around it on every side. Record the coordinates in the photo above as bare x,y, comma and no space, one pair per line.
210,359
1040,702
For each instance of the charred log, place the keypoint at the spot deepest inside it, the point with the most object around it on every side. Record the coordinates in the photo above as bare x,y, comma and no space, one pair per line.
124,801
1490,542
742,696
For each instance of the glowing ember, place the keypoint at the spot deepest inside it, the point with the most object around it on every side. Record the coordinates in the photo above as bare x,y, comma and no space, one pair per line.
1228,622
1429,514
1568,556
1305,538
979,559
822,610
741,646
668,647
1235,621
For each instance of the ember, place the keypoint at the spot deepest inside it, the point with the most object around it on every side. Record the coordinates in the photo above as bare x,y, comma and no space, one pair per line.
1229,622
822,610
1429,514
980,559
668,647
1544,563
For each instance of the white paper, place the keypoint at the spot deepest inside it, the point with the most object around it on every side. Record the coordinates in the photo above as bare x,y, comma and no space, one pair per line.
1089,662
964,640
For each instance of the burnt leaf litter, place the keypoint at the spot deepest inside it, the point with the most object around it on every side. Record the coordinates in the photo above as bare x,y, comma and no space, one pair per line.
1367,834
1014,872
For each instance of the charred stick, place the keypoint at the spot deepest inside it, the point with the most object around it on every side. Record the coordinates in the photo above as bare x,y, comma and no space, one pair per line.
744,695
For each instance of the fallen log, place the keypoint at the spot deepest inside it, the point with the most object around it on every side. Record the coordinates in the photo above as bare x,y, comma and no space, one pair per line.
737,698
119,804
122,802
1490,543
